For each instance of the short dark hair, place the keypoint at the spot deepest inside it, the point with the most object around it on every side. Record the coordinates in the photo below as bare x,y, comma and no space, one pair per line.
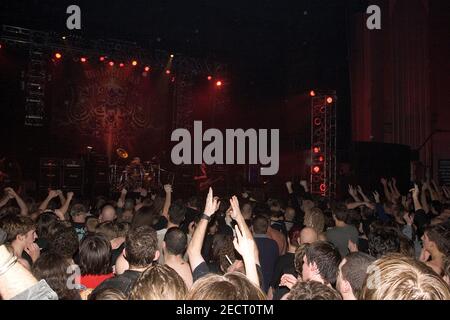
108,228
141,244
355,270
440,235
312,290
15,225
260,224
95,255
64,241
43,224
327,258
383,240
177,213
176,241
341,214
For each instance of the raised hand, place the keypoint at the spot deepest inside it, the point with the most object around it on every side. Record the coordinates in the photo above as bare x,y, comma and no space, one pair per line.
415,190
383,181
376,195
52,194
10,193
70,195
212,204
235,210
288,280
168,188
409,219
244,245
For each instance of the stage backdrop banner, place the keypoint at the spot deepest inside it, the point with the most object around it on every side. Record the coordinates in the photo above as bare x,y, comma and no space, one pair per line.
108,108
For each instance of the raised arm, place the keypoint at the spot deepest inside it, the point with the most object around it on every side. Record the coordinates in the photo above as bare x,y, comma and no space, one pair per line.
395,189
167,200
387,194
415,196
436,193
423,197
5,198
194,249
22,205
244,242
61,212
121,200
61,197
363,195
353,193
51,194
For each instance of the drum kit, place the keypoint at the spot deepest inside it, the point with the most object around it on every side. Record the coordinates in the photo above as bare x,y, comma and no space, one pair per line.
136,175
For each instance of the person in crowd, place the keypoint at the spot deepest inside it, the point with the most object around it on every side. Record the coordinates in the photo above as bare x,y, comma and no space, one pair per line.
342,233
396,277
95,257
312,290
107,213
352,273
159,282
308,235
174,247
140,252
321,263
436,246
78,215
57,271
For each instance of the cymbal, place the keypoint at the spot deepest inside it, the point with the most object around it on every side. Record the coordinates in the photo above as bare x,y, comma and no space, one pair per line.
122,153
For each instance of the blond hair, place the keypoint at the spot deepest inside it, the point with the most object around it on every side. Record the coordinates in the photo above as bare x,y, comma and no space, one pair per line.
159,282
315,219
397,277
231,286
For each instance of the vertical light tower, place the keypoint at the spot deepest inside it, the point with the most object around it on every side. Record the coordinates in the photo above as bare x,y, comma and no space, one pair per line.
323,143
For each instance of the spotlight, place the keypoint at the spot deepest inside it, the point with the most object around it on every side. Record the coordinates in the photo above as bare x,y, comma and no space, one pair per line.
63,37
316,149
317,121
167,71
323,187
58,55
83,59
312,93
102,58
147,69
111,63
0,45
316,169
171,55
173,79
219,83
121,65
134,63
321,158
329,100
209,78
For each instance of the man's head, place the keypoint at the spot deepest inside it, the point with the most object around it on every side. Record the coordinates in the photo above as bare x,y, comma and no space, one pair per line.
436,238
383,240
308,235
109,229
396,277
20,230
108,213
352,273
260,225
321,262
312,290
78,213
289,214
95,255
294,236
177,214
175,242
340,215
64,241
141,247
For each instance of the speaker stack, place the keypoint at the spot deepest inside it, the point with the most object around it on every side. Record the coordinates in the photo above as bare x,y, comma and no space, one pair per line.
66,175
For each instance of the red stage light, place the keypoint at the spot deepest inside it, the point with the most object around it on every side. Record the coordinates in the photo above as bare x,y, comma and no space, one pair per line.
316,149
312,93
218,83
209,78
321,158
316,169
0,45
58,55
111,63
102,58
83,59
323,187
317,121
167,71
147,69
134,63
329,100
121,65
